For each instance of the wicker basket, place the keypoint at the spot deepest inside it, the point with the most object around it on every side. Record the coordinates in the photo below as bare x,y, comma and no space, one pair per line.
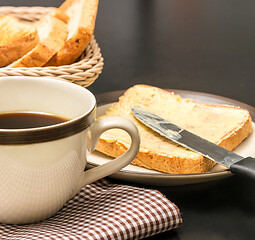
83,72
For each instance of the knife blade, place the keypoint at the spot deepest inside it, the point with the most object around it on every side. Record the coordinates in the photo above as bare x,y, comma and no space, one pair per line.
236,163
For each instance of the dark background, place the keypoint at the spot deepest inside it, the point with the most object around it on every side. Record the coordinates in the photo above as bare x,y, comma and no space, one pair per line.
199,45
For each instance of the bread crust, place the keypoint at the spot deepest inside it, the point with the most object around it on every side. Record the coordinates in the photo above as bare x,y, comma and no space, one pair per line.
85,12
52,35
174,163
17,39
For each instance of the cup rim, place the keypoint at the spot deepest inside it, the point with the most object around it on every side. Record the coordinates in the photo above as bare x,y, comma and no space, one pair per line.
50,132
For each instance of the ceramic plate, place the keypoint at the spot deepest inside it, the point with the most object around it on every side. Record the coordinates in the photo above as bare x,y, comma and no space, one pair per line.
145,176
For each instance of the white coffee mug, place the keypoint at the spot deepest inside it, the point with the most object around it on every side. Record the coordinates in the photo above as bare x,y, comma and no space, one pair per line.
42,168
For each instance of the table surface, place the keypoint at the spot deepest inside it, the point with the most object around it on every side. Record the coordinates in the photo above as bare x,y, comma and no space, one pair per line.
200,45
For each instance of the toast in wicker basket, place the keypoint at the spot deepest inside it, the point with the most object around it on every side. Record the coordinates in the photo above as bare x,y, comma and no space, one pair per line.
52,31
17,38
226,126
82,14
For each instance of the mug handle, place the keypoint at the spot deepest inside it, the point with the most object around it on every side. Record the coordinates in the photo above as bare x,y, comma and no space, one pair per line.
118,163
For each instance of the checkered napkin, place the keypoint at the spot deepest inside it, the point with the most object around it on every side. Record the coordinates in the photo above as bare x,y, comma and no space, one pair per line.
103,210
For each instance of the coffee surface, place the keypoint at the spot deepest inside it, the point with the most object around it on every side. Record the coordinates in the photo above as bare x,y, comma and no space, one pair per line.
24,120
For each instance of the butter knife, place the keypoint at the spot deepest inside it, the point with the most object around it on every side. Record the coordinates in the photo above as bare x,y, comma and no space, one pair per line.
236,163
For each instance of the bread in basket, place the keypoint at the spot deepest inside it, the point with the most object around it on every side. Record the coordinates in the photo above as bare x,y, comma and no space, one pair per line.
89,64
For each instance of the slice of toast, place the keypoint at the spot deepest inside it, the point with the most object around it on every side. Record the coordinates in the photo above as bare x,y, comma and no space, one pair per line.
17,38
224,125
52,30
82,15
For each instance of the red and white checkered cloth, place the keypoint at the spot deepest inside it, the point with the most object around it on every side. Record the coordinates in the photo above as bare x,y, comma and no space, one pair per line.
103,210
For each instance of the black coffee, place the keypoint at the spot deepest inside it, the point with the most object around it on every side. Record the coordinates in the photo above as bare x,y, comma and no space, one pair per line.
21,120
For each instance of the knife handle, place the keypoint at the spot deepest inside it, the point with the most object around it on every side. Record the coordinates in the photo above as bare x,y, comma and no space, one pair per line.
245,167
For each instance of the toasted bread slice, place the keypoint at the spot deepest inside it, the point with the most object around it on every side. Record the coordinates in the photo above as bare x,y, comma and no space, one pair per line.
52,32
58,13
82,14
17,38
224,125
